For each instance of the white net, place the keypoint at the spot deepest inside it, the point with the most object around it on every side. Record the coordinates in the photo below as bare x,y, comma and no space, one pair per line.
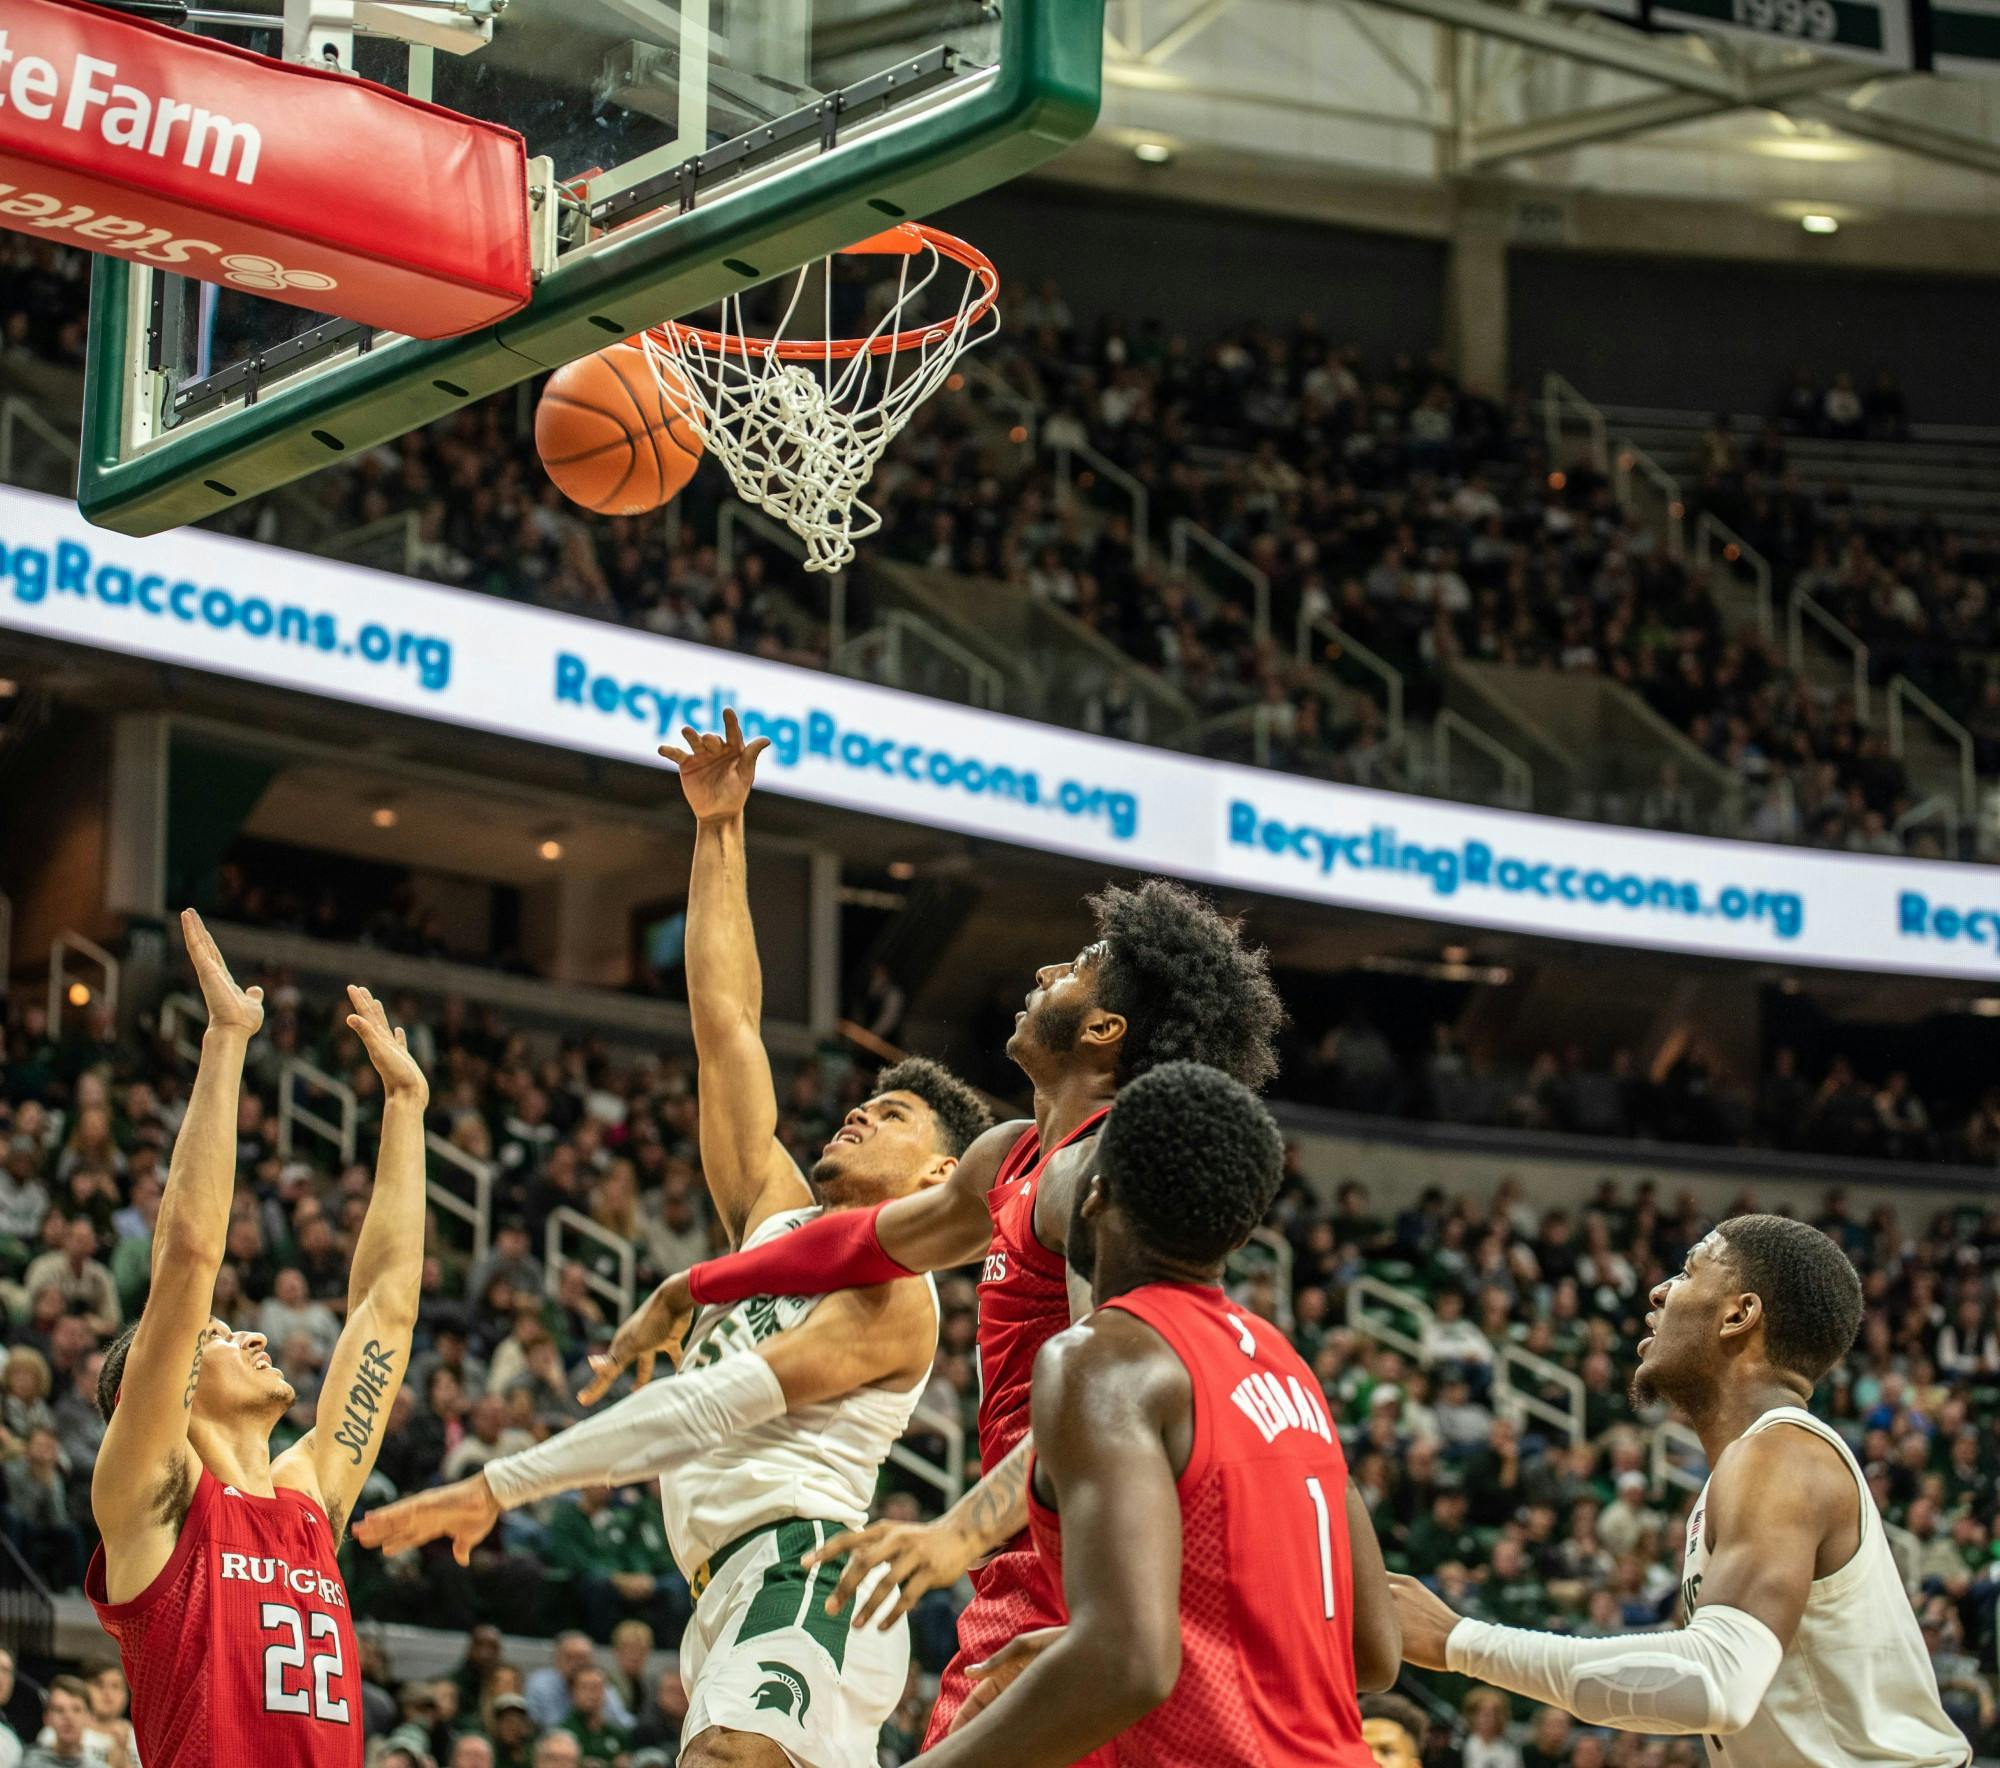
799,432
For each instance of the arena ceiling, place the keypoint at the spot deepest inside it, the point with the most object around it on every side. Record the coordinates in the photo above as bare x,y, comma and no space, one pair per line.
1547,93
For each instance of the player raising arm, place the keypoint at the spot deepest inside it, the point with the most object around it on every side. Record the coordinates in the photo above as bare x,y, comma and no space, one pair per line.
770,1439
1166,978
217,1574
1188,1496
1799,1647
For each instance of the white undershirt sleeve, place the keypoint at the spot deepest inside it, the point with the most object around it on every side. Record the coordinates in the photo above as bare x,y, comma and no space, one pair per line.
645,1433
1708,1678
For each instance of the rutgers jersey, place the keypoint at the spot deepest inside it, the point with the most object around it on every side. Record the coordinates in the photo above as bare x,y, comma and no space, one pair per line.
241,1652
1023,1294
1267,1622
1023,1303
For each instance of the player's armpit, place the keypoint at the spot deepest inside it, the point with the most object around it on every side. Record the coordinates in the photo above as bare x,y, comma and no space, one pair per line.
1773,1500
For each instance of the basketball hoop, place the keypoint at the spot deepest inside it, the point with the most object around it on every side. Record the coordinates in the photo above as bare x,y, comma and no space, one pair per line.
800,423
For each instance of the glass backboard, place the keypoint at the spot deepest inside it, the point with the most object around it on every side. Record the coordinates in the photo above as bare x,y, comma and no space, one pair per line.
686,149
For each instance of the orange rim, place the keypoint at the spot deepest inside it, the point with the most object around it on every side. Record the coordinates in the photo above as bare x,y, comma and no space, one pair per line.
905,239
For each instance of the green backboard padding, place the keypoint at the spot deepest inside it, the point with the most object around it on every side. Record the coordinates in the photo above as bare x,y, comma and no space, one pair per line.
1044,98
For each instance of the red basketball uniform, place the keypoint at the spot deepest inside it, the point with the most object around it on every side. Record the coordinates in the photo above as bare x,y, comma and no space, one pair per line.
241,1652
1267,1623
1023,1303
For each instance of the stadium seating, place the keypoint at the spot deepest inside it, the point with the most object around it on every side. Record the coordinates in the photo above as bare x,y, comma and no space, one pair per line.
1402,1314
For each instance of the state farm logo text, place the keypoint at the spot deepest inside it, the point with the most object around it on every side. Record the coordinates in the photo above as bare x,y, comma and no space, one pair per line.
84,95
97,231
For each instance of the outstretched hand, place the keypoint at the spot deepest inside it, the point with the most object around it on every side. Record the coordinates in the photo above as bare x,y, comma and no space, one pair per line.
465,1510
921,1557
230,1008
660,1325
1425,1620
387,1048
717,772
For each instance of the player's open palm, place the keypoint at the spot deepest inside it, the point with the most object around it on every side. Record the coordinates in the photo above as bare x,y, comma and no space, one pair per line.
387,1048
717,772
229,1008
464,1512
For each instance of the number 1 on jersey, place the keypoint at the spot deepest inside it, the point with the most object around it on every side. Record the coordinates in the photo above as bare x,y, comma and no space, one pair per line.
1317,1493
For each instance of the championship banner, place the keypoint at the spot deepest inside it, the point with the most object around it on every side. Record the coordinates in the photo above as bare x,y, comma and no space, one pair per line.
297,184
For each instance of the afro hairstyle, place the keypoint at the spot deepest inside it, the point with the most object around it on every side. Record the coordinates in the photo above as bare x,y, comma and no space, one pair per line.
1178,972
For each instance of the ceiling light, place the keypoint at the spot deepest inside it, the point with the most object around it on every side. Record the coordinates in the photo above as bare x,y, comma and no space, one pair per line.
383,817
1819,224
1152,153
79,995
550,848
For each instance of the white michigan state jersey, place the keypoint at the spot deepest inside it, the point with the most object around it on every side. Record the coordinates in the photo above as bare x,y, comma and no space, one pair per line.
818,1462
1856,1689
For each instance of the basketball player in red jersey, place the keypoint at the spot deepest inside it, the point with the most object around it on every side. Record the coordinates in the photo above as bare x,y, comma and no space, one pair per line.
217,1574
1187,1494
1167,978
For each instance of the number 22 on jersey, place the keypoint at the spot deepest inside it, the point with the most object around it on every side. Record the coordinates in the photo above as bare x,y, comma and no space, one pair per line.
287,1686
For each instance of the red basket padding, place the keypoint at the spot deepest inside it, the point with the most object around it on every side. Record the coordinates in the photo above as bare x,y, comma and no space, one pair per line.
417,214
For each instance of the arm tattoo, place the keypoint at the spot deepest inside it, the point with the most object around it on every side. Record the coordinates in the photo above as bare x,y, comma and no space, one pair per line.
365,1400
989,1503
194,1370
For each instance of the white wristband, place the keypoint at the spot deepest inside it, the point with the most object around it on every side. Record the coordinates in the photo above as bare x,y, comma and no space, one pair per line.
1710,1677
645,1433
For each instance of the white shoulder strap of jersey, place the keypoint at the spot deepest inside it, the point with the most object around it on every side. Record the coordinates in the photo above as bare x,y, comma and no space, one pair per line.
1799,1418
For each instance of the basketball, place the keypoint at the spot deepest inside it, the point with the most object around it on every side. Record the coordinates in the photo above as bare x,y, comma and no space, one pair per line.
615,437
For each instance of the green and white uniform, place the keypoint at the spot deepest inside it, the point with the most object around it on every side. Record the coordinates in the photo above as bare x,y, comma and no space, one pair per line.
761,1654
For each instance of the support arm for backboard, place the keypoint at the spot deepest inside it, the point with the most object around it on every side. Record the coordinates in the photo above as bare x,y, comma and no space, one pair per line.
1041,96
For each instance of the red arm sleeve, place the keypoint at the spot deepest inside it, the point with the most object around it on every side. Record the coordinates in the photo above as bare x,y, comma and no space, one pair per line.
837,1251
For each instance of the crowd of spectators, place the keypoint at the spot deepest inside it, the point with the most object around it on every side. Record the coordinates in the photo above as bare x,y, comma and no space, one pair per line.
44,292
1510,1518
1429,525
1420,517
1814,1105
1915,591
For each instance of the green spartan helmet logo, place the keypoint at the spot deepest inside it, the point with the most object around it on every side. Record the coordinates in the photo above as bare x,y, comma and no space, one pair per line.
785,1689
